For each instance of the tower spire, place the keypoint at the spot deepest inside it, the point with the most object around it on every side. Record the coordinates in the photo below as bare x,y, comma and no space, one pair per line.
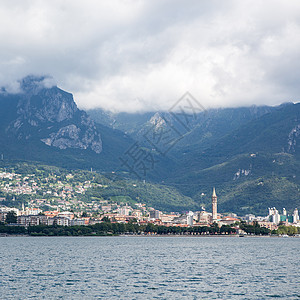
214,192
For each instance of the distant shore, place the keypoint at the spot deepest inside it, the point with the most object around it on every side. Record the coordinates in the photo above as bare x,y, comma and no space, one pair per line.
154,235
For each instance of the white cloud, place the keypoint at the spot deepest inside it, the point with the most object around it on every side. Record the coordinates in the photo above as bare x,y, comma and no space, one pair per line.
143,55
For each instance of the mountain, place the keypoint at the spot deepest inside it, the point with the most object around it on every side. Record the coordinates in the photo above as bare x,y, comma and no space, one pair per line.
255,166
51,115
130,123
44,124
204,129
273,132
251,154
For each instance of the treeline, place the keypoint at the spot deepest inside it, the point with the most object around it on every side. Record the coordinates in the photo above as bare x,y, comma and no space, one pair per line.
254,229
288,230
107,228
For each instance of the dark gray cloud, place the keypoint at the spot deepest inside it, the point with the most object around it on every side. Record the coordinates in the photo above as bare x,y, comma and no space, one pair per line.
143,55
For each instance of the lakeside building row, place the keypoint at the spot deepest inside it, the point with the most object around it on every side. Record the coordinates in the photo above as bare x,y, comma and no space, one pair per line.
35,220
35,216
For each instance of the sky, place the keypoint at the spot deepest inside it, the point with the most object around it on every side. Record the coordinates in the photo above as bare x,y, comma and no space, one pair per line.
143,55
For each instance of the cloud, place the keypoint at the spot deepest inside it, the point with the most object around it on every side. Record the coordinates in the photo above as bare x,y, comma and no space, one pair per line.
126,55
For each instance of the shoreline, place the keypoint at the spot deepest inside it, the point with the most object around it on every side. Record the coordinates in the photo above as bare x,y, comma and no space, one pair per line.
151,236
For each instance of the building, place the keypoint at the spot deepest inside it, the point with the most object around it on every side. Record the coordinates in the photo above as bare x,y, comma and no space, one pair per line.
274,215
78,222
214,206
267,224
51,214
66,214
226,220
32,220
295,216
180,220
286,218
203,217
249,218
190,218
125,210
154,214
8,209
276,218
62,221
168,218
31,211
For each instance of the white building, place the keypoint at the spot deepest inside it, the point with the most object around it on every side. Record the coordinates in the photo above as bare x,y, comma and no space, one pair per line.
190,218
6,209
62,221
274,216
31,211
295,216
66,214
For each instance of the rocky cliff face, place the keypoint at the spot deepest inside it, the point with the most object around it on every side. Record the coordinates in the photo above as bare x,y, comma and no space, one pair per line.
292,139
52,115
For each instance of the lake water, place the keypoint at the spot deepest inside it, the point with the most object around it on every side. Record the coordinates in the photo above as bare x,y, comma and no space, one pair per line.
149,268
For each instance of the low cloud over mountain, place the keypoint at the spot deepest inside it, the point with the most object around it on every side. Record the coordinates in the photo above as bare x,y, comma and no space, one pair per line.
143,55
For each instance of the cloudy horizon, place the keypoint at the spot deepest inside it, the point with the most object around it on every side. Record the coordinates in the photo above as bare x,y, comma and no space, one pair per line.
134,56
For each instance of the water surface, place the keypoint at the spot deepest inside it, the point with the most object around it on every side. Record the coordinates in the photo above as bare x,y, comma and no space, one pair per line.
149,268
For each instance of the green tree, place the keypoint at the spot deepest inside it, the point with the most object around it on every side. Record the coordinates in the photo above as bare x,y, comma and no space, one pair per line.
215,228
11,217
105,219
150,228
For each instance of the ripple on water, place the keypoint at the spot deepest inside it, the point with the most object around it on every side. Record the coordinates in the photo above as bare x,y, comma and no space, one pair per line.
149,268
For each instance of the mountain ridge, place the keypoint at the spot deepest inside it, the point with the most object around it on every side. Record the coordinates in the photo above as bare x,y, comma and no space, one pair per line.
44,124
251,154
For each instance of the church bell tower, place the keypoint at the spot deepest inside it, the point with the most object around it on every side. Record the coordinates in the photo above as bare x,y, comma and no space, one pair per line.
214,206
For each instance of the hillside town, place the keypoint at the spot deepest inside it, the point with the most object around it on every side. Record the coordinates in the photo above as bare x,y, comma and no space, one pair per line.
141,214
52,198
